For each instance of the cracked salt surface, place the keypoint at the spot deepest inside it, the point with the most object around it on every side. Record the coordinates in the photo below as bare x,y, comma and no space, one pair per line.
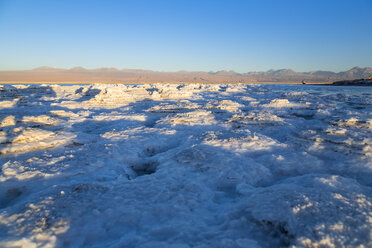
185,165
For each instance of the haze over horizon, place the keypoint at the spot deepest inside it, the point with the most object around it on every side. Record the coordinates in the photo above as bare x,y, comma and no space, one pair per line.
173,36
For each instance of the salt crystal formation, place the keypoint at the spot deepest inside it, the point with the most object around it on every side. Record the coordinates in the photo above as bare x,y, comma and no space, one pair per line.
185,165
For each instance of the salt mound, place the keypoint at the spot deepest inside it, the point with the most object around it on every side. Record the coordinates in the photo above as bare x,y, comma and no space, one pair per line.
281,103
198,117
35,139
43,119
8,121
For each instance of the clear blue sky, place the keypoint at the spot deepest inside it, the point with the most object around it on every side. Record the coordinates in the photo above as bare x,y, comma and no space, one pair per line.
172,35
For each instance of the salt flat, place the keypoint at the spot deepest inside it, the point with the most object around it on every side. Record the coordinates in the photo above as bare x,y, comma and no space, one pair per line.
185,165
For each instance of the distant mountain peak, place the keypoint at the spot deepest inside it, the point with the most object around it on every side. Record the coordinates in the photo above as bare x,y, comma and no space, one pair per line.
46,68
227,73
107,69
78,68
110,74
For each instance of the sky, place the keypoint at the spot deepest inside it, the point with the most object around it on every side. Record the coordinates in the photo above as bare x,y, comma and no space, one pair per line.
192,35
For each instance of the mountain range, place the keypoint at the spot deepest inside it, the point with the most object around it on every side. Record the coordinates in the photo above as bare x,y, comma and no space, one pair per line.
80,74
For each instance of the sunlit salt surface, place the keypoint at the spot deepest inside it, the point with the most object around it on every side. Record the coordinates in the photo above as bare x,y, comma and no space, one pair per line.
185,165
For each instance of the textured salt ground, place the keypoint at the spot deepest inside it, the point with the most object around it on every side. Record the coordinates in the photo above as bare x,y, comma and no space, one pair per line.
196,165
